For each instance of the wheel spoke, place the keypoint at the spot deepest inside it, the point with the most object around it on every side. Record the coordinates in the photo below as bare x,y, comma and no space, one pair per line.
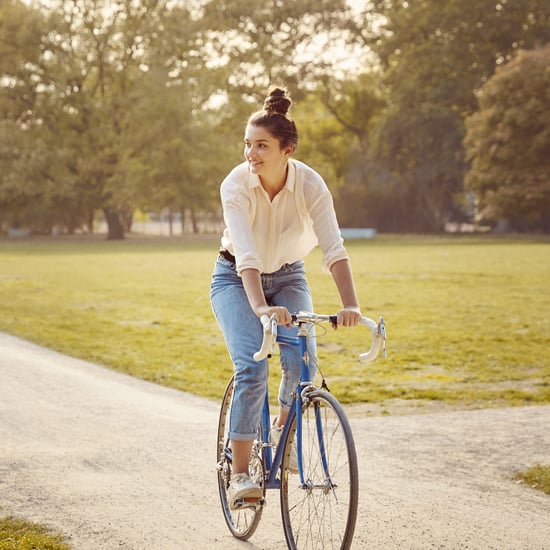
321,513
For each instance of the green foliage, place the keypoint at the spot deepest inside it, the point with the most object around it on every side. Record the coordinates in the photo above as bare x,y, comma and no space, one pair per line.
466,325
273,42
112,105
508,142
175,174
354,107
17,534
119,99
446,52
537,477
23,146
322,143
336,124
90,64
435,56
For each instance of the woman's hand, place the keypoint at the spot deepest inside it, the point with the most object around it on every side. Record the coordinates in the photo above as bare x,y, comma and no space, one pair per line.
256,297
349,317
281,314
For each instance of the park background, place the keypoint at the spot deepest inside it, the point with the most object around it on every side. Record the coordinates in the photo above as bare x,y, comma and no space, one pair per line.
430,123
421,116
119,119
429,120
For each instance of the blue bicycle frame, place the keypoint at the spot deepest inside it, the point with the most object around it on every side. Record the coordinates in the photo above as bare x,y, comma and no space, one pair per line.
272,464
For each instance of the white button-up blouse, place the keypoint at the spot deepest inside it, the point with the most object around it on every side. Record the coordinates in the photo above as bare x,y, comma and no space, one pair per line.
264,234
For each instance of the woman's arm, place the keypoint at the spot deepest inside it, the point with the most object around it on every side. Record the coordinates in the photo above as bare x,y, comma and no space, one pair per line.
350,315
252,283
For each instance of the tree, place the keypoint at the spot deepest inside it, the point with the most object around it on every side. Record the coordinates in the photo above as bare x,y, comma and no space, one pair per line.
274,42
173,154
508,140
339,129
435,55
106,44
308,47
70,72
20,159
107,104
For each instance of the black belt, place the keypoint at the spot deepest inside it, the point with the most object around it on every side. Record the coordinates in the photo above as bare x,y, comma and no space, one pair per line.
227,255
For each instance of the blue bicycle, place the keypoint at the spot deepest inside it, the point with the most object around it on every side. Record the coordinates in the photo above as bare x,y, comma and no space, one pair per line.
319,502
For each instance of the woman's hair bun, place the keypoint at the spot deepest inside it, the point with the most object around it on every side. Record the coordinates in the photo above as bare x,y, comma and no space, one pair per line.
277,102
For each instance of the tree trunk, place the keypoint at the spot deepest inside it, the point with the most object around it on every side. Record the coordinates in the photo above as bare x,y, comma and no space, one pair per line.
115,226
170,223
90,222
182,210
127,217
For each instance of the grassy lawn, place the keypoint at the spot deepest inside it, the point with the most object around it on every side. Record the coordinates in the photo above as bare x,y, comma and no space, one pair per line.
468,318
537,477
18,534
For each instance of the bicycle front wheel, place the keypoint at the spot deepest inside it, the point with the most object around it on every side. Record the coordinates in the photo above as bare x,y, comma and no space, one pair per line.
242,522
321,512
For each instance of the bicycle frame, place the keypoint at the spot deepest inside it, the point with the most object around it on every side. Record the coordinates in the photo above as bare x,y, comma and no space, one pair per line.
272,464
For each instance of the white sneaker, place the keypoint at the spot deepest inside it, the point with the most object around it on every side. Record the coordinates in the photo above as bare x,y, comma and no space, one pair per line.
242,487
276,432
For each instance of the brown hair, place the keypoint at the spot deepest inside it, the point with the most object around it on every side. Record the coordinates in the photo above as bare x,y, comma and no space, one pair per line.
274,118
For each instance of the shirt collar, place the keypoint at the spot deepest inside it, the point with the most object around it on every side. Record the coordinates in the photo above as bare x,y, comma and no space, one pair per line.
254,180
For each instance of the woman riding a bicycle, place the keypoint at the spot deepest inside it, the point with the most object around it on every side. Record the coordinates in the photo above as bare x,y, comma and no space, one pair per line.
276,210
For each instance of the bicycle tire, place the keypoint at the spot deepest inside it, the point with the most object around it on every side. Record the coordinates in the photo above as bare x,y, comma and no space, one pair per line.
241,522
323,512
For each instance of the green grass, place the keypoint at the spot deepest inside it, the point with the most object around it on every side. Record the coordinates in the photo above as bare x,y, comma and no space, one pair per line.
468,318
537,477
18,534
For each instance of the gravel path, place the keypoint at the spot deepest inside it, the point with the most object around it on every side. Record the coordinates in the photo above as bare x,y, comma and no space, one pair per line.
114,462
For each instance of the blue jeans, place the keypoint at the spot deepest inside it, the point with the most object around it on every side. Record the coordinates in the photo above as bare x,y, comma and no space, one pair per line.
243,335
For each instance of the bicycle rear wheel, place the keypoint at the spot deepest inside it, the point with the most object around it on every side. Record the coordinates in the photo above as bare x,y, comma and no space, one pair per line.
322,512
242,522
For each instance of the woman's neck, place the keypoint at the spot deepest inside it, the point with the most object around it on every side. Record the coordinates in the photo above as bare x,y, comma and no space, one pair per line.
272,185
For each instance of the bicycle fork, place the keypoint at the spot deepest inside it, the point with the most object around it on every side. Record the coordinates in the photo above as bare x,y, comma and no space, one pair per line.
303,400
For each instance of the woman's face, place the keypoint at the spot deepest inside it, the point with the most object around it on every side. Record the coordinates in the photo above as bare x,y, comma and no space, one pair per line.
263,152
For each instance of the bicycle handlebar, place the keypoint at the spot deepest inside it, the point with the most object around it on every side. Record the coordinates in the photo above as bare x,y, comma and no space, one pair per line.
378,333
270,337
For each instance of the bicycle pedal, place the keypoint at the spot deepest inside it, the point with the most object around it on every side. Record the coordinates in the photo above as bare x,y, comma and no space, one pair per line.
242,503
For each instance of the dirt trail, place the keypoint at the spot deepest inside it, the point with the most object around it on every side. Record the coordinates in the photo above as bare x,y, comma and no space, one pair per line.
114,462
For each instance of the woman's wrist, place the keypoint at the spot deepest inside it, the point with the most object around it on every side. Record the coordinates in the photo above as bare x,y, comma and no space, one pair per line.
262,309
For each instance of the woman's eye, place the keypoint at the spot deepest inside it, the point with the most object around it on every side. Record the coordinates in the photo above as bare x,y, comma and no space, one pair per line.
259,145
